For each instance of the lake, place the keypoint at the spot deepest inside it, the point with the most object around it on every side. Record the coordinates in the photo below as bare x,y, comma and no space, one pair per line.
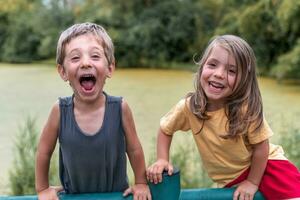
31,90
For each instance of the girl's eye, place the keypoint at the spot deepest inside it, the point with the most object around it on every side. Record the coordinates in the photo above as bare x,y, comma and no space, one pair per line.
211,64
232,71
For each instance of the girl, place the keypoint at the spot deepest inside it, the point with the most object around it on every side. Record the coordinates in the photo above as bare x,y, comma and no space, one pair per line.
94,130
225,114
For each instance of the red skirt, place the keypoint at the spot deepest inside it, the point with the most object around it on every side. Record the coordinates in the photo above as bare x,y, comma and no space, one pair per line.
281,180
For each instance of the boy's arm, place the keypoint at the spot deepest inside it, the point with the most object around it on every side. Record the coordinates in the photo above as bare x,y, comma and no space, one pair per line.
258,165
45,149
133,145
136,156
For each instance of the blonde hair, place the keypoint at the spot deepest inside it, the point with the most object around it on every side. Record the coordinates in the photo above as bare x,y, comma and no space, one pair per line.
244,106
82,29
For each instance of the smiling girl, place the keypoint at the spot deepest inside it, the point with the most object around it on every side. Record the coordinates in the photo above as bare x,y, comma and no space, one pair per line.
225,115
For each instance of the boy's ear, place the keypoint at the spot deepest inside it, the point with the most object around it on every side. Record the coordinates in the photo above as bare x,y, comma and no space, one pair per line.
111,69
62,72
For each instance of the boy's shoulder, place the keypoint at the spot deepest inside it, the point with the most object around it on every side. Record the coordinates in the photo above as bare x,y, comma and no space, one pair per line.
113,99
66,101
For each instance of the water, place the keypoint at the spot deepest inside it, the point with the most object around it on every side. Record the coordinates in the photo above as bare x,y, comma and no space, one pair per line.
150,94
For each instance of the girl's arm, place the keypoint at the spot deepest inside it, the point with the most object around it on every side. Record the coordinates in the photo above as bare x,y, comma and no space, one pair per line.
258,164
135,154
44,152
154,172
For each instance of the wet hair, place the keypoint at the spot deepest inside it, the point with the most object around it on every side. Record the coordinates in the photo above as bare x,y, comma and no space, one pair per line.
244,107
81,29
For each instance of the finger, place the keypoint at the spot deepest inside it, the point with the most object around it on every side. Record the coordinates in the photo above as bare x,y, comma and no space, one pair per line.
249,196
149,197
159,174
127,192
236,195
59,188
155,175
170,169
150,174
242,196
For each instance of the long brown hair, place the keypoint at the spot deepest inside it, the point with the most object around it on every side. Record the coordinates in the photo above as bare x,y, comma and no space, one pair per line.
244,107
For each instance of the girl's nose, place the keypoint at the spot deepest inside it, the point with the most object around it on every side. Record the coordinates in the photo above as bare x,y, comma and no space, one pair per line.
220,72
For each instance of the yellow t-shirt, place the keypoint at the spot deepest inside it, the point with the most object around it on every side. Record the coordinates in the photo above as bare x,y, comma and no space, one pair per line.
223,159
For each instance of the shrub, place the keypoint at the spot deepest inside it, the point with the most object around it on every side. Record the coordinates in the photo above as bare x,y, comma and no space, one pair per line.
187,159
22,174
290,140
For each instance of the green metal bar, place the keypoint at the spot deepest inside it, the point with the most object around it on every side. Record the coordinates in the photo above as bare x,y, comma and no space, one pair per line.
169,189
212,193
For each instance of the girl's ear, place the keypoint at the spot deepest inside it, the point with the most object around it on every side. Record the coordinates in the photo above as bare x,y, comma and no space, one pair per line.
111,69
62,72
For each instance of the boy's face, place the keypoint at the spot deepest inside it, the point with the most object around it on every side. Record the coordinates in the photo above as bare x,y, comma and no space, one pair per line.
85,67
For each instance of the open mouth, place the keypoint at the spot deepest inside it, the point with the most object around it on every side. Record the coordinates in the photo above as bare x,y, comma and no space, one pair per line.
216,85
87,81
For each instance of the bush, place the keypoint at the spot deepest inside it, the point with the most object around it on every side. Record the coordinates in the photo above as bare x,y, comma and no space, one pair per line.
187,159
290,140
22,175
288,65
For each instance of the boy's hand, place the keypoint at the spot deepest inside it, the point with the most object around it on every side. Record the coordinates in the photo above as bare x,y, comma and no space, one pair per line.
140,192
50,193
245,191
154,172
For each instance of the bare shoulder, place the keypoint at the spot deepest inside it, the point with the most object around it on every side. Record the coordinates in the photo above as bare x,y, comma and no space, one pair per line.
50,131
52,124
125,107
55,113
127,116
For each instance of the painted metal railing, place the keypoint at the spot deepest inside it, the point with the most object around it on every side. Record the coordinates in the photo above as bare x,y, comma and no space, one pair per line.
169,189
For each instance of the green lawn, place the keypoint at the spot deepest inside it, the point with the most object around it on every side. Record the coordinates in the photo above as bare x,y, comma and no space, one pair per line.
32,90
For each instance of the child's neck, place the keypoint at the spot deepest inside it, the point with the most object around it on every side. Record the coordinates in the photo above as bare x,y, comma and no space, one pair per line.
84,106
214,107
90,115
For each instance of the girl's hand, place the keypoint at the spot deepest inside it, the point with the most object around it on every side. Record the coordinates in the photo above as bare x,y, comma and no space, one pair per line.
50,193
154,172
140,191
245,191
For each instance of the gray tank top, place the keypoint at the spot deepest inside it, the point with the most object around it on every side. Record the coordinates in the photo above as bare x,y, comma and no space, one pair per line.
94,163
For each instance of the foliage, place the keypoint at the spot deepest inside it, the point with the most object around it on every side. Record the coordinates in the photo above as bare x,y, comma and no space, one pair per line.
192,174
290,142
186,158
288,65
22,175
153,33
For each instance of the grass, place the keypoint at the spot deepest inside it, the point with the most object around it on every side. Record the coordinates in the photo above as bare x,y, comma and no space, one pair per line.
31,90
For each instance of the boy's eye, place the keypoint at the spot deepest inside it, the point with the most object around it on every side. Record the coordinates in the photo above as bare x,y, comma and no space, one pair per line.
95,56
74,58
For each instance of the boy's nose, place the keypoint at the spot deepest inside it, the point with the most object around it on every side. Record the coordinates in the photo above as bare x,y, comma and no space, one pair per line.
85,62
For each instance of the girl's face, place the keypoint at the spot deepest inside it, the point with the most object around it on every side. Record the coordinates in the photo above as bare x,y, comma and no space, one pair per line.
218,77
85,67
